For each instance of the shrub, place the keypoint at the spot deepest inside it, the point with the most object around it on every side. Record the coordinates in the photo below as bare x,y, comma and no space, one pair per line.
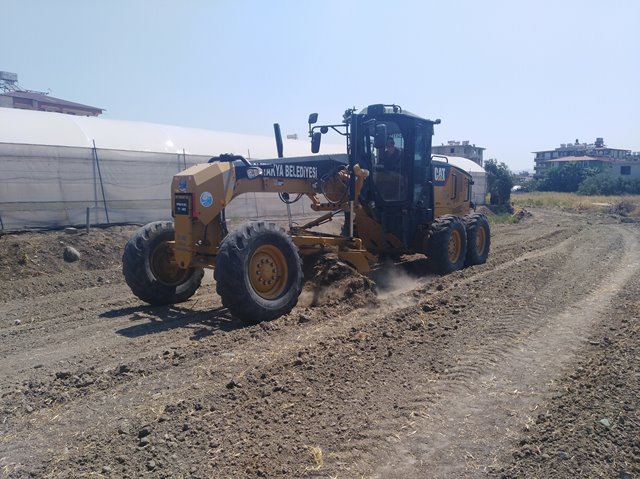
604,184
529,185
499,182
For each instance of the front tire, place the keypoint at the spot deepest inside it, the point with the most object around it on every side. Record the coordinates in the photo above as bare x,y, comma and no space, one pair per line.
258,272
150,269
446,246
478,239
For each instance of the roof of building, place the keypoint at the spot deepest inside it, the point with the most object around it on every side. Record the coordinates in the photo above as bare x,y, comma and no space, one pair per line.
463,163
566,159
53,129
458,143
581,147
42,98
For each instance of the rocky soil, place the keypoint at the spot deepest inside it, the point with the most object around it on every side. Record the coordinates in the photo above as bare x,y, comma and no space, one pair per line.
527,366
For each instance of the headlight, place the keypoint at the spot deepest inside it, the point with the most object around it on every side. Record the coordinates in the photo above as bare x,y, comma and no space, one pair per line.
254,172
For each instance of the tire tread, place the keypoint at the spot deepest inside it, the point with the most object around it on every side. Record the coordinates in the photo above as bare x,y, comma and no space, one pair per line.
138,275
232,283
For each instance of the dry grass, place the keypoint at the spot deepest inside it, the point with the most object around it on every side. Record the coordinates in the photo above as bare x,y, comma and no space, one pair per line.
318,459
628,205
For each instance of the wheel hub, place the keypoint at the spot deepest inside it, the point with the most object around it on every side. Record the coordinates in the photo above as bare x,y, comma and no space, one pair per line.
268,271
164,267
454,247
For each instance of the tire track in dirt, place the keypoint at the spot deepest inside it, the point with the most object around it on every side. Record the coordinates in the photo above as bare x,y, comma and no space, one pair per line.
332,377
451,373
123,390
463,433
145,387
567,436
105,317
369,436
50,335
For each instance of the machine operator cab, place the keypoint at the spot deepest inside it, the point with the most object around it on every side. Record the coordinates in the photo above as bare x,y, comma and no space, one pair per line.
397,150
395,146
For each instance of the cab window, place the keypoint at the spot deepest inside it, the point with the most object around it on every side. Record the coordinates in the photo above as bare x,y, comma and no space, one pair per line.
421,160
389,172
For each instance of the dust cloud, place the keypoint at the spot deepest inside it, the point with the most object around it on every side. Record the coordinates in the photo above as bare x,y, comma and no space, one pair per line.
328,280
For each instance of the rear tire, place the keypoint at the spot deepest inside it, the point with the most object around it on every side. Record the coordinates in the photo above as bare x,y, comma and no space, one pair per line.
446,246
258,272
478,238
150,270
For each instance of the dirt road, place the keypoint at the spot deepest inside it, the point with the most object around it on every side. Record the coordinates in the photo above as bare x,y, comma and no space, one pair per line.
526,366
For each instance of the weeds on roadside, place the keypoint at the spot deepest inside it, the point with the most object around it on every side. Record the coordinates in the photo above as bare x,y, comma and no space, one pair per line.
24,259
628,205
318,459
502,218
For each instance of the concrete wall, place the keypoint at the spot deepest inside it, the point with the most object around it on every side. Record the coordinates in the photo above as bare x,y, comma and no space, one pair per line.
617,169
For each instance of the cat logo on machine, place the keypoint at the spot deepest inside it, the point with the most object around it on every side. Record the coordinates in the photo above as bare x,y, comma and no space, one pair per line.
440,173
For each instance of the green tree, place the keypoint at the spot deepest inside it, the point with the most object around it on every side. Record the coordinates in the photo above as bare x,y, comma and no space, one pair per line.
499,182
565,178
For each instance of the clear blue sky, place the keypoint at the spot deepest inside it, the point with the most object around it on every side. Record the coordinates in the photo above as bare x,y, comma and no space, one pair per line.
511,76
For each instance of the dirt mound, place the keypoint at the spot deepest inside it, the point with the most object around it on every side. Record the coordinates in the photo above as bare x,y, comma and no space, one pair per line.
519,214
32,254
485,211
330,280
625,209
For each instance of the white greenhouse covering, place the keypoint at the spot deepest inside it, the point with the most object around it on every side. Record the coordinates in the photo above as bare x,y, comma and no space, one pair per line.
479,176
55,166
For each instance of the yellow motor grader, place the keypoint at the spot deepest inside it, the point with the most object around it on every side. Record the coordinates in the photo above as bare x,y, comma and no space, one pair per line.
395,198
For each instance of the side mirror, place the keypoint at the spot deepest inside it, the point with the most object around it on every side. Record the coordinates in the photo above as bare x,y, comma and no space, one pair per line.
380,138
316,138
313,118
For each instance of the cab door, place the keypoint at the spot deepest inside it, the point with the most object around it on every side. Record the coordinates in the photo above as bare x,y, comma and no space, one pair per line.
422,177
